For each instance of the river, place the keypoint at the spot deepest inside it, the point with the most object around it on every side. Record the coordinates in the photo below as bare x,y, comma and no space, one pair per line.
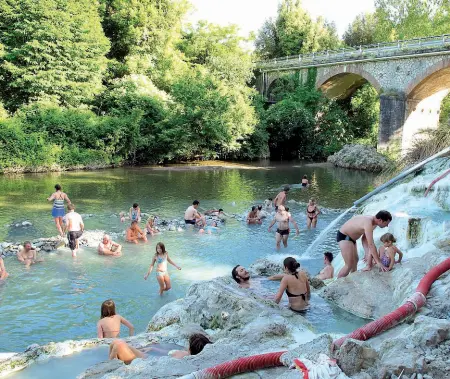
60,299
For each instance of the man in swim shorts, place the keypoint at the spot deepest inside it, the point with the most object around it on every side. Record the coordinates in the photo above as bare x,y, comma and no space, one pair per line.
283,218
328,271
74,227
192,215
109,247
241,276
281,198
28,255
351,231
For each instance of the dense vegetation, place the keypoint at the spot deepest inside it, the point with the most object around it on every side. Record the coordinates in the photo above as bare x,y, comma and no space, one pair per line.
87,83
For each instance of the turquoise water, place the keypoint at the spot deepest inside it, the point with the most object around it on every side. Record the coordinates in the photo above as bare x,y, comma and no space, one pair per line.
60,299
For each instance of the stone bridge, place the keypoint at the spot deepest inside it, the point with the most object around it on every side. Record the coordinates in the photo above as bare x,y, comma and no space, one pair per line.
412,77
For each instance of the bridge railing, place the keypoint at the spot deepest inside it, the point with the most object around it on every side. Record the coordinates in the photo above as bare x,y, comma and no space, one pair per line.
378,50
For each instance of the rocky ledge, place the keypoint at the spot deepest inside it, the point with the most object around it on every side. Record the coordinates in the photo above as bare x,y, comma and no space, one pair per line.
359,157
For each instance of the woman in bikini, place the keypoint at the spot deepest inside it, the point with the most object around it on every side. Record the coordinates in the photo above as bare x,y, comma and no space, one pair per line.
295,284
161,258
58,212
312,211
109,324
388,251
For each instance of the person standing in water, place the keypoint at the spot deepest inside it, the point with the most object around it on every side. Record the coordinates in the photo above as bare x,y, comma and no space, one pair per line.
135,213
305,181
74,227
312,211
281,198
58,212
351,231
283,219
3,273
109,324
161,257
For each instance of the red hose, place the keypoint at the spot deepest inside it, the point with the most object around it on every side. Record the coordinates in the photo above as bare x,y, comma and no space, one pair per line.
262,361
410,307
435,181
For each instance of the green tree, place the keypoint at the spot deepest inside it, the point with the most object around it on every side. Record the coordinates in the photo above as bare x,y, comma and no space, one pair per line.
53,49
361,31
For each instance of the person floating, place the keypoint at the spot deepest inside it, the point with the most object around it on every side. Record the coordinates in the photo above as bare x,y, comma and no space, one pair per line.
135,233
3,273
210,229
119,349
351,231
283,218
388,251
252,217
151,226
312,211
28,255
281,198
109,247
135,213
192,215
161,258
296,285
328,271
241,276
58,212
74,227
109,324
305,181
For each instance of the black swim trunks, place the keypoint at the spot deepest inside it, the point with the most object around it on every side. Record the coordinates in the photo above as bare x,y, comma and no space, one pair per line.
191,222
344,237
72,237
283,232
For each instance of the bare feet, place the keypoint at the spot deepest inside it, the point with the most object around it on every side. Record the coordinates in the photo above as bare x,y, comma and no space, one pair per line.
367,268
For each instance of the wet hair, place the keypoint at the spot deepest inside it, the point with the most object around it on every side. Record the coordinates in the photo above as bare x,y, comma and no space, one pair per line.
259,207
163,248
133,222
253,208
388,237
287,188
71,207
195,202
234,274
197,342
291,264
383,216
329,256
108,308
135,205
286,209
305,176
27,243
269,199
57,187
220,210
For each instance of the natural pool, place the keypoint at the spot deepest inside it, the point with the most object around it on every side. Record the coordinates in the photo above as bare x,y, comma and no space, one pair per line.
60,299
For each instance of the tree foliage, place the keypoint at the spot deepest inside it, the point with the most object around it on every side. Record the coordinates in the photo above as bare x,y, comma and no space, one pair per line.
361,31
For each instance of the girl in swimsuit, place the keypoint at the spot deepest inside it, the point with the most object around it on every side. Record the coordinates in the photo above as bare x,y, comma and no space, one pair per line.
151,227
58,212
295,284
109,324
388,251
161,257
312,211
305,181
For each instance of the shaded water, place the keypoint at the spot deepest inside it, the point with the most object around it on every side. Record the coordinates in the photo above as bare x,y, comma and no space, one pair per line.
60,298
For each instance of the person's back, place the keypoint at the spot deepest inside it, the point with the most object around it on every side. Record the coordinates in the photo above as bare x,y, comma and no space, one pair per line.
74,221
297,290
190,213
110,326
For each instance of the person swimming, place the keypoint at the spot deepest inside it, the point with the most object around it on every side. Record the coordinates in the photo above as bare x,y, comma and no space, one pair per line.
119,349
109,324
161,258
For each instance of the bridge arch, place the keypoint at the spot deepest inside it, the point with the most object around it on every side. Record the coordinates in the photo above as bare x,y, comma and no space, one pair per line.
342,81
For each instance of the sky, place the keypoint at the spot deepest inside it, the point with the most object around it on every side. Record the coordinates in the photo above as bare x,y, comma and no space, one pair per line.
250,14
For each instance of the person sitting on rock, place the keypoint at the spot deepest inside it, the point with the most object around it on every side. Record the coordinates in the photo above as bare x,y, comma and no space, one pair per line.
388,251
109,324
328,271
241,276
109,247
28,255
3,273
121,350
134,233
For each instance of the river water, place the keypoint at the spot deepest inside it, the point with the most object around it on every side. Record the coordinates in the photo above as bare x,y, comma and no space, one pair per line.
60,299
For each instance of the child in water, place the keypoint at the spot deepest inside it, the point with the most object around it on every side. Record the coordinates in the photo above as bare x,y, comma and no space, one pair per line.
161,257
135,213
388,251
109,324
151,227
